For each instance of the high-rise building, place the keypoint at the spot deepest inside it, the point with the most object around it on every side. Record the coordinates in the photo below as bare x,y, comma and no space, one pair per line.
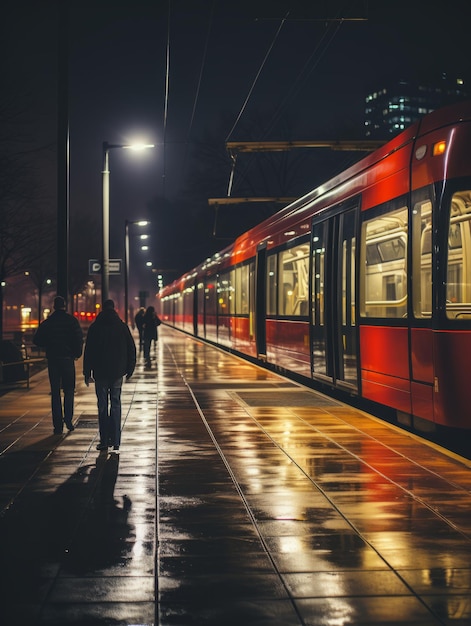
394,107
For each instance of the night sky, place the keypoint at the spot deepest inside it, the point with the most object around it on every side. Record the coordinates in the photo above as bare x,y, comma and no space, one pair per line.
313,74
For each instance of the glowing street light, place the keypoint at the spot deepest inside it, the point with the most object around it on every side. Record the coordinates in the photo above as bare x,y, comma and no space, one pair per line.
105,263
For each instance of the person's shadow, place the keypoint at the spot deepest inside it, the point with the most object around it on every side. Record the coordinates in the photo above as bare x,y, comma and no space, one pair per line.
100,533
80,528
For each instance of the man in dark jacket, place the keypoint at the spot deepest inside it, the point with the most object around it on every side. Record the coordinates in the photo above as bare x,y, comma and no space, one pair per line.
109,355
61,336
139,322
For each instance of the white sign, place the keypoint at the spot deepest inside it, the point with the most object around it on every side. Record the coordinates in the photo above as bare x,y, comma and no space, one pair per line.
114,266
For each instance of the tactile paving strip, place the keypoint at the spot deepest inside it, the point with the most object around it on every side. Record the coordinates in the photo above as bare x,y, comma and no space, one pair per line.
275,397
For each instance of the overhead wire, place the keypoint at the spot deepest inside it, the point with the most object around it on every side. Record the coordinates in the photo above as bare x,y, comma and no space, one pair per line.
296,85
203,61
198,87
167,87
305,72
167,83
283,20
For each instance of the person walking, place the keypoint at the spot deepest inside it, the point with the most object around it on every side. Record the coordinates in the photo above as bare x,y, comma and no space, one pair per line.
150,323
110,354
139,322
62,338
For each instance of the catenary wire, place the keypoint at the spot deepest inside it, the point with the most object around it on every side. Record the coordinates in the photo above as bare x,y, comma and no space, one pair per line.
200,78
309,66
203,61
167,82
257,77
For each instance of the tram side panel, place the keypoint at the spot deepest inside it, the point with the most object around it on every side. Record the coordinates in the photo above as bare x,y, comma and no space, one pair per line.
440,353
288,346
384,344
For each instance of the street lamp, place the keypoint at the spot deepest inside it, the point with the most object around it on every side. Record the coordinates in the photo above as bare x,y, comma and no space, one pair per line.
105,262
126,261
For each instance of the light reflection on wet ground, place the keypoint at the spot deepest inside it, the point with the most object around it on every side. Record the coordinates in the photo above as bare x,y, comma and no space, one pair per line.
362,523
223,509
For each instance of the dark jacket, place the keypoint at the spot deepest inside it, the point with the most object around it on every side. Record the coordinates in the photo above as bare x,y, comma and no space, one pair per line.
151,321
110,352
61,336
139,320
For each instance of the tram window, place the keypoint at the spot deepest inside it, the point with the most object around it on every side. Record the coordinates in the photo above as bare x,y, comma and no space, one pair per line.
272,281
201,299
293,284
241,290
384,246
210,297
179,307
422,258
458,285
348,269
224,288
188,298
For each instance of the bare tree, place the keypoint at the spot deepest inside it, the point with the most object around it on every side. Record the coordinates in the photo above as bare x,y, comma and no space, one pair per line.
26,229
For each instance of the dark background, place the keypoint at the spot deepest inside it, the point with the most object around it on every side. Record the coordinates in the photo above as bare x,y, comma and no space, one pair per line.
236,71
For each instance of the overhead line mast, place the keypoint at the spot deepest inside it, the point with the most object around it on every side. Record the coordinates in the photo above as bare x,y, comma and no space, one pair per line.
234,147
282,146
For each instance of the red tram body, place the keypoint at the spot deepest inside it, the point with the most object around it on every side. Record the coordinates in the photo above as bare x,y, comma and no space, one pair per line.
363,285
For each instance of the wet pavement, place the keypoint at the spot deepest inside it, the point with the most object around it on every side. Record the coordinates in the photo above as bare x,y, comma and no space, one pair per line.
237,497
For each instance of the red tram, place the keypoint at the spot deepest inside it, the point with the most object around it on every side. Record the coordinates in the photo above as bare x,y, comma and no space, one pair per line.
363,285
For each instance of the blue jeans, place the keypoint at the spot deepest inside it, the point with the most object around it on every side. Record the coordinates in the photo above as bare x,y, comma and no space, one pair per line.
61,376
109,411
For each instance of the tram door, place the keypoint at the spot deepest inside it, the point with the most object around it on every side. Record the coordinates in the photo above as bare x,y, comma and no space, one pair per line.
260,302
334,338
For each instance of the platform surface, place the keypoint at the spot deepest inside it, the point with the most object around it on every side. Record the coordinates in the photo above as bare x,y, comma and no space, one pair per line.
237,498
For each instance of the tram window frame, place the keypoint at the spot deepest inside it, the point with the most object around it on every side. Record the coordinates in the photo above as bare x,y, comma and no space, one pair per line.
293,271
224,294
458,250
390,249
277,291
297,269
188,297
200,289
210,291
241,294
422,216
179,306
272,284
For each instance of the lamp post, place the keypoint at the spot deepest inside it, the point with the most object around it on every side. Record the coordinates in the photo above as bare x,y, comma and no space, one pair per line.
105,261
126,261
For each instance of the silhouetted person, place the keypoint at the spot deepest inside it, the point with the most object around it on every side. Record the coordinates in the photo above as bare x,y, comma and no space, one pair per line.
62,338
110,354
151,321
139,322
